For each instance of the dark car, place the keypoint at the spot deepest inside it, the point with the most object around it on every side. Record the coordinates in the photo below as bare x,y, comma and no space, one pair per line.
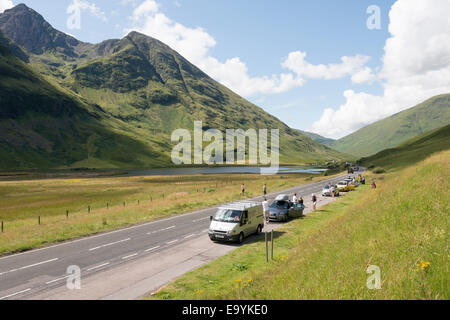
282,209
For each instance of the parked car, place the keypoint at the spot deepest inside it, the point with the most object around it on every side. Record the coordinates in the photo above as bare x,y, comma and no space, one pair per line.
326,192
282,209
236,221
344,186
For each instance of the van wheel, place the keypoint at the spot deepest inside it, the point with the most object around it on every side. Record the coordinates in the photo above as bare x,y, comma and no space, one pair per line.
241,238
258,230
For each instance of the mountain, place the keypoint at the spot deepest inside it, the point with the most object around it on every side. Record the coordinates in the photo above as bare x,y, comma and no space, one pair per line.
390,132
45,126
316,137
137,86
411,151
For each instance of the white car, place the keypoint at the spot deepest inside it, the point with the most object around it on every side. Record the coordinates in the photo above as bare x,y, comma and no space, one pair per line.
326,192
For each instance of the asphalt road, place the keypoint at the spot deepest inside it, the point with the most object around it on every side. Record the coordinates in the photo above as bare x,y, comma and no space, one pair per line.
30,273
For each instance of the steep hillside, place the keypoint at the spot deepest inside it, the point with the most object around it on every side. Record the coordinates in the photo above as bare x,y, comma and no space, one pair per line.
45,126
318,138
391,132
146,87
412,151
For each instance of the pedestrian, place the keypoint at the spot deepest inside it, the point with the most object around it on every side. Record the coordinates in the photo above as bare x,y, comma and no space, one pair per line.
295,199
364,180
265,189
332,191
374,185
266,210
314,201
301,201
243,190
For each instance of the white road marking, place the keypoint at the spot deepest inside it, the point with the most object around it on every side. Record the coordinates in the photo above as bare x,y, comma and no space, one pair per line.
58,279
165,229
170,242
29,266
190,236
15,294
198,220
151,249
130,256
97,267
109,244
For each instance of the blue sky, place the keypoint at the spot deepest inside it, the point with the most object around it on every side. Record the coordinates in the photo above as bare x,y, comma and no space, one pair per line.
262,35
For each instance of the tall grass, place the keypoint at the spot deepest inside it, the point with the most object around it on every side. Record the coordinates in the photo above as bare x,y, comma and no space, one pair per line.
401,227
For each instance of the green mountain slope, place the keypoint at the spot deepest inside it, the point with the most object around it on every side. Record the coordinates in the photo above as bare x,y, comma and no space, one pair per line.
390,132
412,151
45,126
318,138
145,88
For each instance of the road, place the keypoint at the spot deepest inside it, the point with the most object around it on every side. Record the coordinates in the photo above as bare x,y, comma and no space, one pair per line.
32,274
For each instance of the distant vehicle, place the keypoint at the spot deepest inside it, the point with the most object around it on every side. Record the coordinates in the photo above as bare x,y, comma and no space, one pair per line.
326,192
343,186
236,221
282,209
350,171
356,168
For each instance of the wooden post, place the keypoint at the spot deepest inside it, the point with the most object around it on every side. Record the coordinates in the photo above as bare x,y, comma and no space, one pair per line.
267,247
107,205
89,209
67,214
124,203
39,220
138,202
2,226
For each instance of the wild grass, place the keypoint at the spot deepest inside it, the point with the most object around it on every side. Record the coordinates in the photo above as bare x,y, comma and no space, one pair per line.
114,203
401,227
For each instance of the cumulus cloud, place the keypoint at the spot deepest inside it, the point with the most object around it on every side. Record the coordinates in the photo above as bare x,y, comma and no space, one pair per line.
5,4
80,5
195,44
416,66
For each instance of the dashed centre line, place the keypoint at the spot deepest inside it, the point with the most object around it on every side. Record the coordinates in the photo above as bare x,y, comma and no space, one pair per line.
29,266
15,294
109,244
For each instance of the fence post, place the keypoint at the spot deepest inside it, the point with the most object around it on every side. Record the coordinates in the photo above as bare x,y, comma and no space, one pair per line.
107,205
124,203
2,226
267,247
67,214
89,209
272,246
139,202
39,220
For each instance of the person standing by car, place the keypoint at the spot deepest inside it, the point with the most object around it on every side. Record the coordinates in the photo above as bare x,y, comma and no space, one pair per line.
266,210
301,201
265,189
332,190
314,201
295,199
374,185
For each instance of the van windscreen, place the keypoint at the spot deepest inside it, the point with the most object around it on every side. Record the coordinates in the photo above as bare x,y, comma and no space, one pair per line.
228,215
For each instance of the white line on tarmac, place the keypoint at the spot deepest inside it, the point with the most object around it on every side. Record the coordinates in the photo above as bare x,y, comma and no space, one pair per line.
151,249
58,279
29,266
109,244
130,256
98,267
15,294
170,242
198,220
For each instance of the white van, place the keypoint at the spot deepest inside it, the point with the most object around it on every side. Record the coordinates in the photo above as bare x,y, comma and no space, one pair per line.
235,221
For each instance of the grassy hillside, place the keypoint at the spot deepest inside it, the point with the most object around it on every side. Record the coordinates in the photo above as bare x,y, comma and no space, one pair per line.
145,88
391,132
316,137
412,151
43,125
399,227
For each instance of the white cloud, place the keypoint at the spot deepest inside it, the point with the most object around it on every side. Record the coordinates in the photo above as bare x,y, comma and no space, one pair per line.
416,66
195,44
5,4
79,5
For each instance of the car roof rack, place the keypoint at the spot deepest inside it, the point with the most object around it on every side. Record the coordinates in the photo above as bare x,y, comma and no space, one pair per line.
240,205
